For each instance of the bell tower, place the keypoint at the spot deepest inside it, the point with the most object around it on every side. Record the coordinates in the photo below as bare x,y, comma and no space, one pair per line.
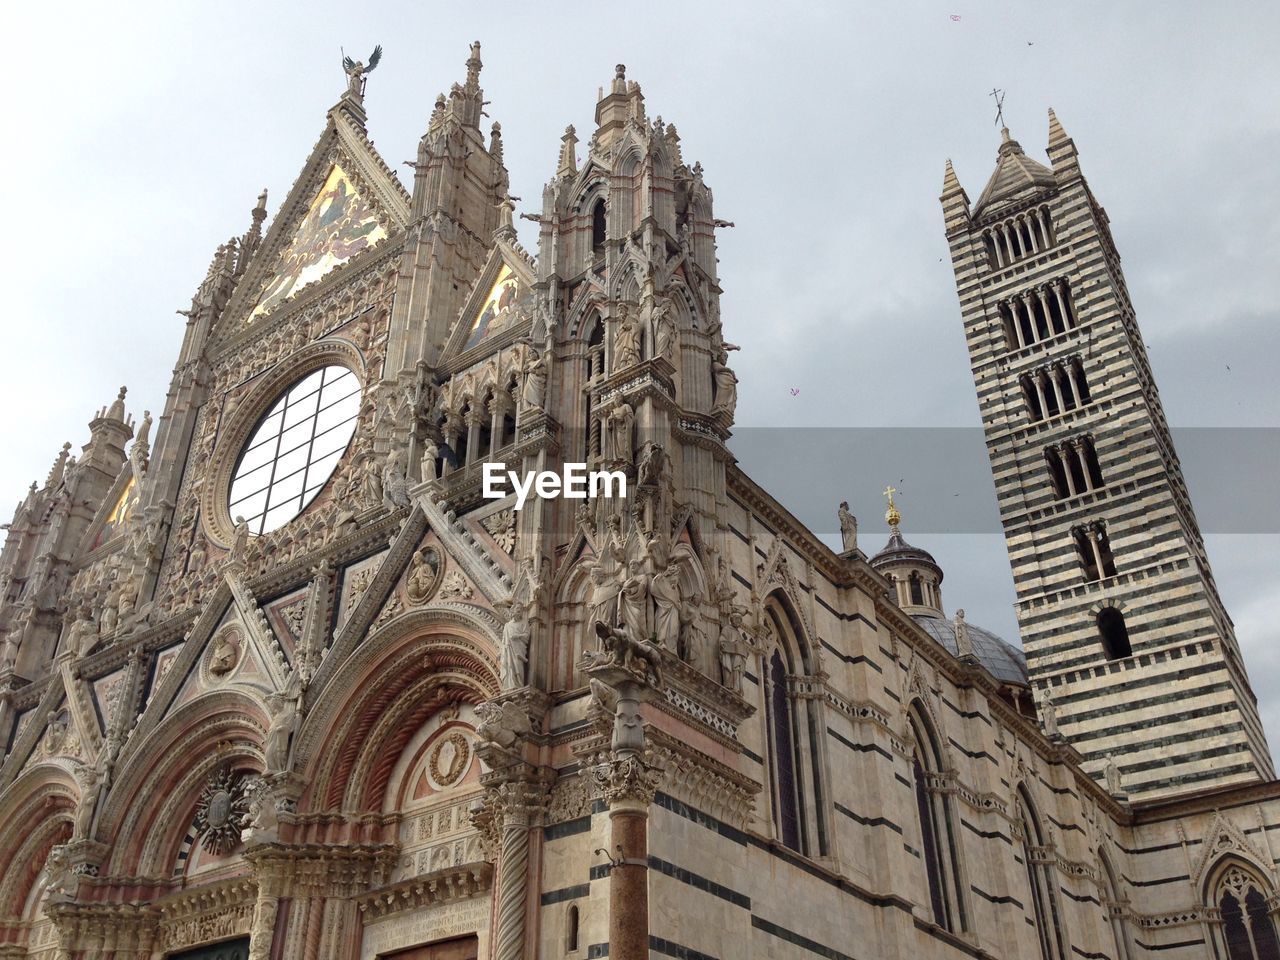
1120,617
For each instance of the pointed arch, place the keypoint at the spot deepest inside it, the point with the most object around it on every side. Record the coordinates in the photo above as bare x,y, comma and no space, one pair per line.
36,814
1243,928
792,730
939,844
378,699
1114,903
1038,862
225,728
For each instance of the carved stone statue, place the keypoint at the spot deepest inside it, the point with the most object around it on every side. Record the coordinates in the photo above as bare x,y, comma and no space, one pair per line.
665,587
501,724
372,484
964,643
240,540
83,633
515,646
602,600
284,722
634,605
664,329
534,392
58,876
89,779
395,482
356,70
848,528
620,426
626,341
691,637
1115,781
1049,715
430,456
726,389
733,653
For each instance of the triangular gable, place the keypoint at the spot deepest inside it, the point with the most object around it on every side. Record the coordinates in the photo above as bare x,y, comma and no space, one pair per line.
500,302
117,508
345,201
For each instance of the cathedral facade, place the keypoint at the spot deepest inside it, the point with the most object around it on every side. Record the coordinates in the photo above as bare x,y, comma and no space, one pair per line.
282,677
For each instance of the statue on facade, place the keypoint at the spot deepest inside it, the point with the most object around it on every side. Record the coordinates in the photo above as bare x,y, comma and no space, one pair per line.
424,574
626,341
357,70
1049,715
634,610
90,781
690,639
733,649
430,457
602,600
848,528
620,431
514,655
284,723
665,587
395,481
964,643
664,329
726,389
1111,773
534,392
371,484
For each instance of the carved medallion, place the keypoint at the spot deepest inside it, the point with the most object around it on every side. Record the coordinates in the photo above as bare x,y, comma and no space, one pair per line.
502,527
423,576
225,651
450,759
221,812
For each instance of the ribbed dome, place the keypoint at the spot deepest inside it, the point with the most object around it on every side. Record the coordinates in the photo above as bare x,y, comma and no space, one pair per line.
1002,660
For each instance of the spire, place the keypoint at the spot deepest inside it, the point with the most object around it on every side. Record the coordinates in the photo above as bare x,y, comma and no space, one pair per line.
59,465
623,102
568,165
253,237
1061,149
955,202
1015,173
495,142
474,66
469,95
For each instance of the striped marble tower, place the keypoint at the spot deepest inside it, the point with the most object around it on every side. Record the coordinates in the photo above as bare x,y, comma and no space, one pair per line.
1119,615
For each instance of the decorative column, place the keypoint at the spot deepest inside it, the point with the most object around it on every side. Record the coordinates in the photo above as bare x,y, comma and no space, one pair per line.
1062,305
1055,376
1039,378
1071,382
628,669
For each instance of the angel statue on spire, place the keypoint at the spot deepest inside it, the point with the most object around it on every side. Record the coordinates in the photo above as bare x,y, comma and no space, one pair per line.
356,70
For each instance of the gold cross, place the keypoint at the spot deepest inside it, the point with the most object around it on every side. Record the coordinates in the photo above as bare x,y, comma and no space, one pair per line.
889,492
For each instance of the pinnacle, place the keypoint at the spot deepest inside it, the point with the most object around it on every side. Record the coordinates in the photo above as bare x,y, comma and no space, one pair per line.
1056,134
950,183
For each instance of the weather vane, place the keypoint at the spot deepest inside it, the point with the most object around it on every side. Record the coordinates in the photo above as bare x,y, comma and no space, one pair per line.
356,71
998,96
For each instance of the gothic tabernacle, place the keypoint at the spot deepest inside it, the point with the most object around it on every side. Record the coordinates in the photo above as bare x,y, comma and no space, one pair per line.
278,680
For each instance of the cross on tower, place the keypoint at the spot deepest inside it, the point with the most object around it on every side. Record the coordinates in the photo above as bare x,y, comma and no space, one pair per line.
998,96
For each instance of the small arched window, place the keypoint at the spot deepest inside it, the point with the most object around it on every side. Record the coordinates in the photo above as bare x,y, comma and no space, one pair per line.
571,920
1114,634
1246,931
599,232
917,590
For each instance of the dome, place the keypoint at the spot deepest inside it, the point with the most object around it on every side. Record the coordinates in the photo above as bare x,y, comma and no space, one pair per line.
897,549
1002,660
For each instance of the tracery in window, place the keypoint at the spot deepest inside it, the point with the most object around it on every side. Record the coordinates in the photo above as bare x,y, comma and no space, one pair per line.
294,449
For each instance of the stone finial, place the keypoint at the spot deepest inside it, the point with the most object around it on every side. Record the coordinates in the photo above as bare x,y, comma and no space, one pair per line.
495,141
260,208
568,165
474,65
116,410
59,465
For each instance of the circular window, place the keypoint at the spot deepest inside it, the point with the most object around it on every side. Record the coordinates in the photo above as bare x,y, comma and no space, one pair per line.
294,449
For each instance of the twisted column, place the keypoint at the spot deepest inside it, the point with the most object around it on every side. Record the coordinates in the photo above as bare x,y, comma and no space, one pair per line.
513,882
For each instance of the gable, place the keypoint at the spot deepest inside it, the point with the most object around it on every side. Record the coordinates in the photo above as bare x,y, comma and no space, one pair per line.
500,302
339,223
345,202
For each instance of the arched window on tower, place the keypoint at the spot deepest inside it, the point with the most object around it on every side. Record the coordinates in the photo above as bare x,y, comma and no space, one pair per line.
1114,634
599,232
917,590
1093,547
1245,930
937,838
1041,881
791,727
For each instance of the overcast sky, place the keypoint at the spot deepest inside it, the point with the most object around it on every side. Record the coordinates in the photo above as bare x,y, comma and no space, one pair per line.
139,137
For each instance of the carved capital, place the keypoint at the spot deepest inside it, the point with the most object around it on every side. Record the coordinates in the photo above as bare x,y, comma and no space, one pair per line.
627,780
